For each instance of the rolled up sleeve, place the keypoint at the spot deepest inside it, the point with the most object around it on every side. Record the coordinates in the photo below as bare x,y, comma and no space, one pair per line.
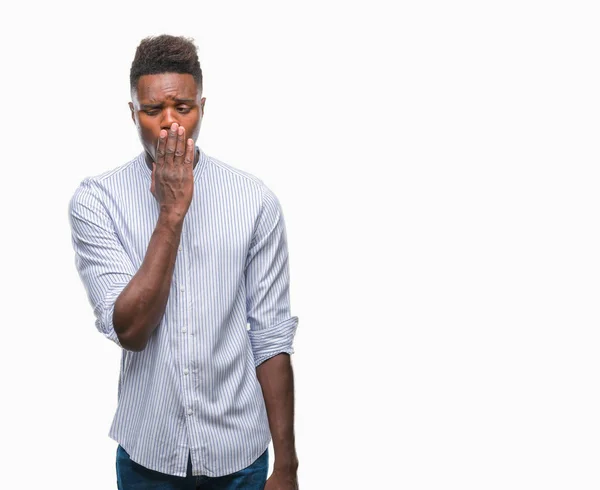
272,328
101,261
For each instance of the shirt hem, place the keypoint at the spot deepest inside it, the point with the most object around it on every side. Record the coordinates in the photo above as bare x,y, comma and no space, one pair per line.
212,474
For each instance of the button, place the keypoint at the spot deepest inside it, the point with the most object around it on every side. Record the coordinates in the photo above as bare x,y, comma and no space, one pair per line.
182,289
186,371
181,249
190,411
184,329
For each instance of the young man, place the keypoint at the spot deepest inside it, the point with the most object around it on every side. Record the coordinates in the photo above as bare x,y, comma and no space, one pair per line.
184,259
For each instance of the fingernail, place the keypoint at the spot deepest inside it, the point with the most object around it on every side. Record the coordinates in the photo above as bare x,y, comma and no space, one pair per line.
174,127
180,130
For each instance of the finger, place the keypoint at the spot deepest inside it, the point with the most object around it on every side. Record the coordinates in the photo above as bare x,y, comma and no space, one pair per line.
160,148
180,149
189,152
171,144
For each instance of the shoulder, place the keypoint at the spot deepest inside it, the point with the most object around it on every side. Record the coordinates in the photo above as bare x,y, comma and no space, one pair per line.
130,171
95,189
234,173
257,194
240,178
123,174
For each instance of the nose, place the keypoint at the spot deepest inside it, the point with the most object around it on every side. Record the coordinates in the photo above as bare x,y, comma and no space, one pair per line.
169,117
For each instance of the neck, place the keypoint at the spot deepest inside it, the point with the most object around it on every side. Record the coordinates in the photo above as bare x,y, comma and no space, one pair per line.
149,159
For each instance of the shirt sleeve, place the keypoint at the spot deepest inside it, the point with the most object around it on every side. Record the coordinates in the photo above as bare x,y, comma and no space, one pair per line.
102,263
272,328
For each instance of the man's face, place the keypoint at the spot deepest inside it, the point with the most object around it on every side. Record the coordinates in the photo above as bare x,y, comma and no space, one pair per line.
162,99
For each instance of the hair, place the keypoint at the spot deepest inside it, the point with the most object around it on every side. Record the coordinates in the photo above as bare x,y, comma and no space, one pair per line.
165,54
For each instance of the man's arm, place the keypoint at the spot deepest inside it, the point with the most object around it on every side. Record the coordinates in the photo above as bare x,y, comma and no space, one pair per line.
141,305
272,330
276,378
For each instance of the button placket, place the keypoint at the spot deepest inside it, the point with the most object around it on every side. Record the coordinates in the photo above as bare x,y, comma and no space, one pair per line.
183,305
183,278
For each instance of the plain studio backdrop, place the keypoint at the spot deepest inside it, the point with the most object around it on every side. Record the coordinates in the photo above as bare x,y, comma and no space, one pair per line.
437,165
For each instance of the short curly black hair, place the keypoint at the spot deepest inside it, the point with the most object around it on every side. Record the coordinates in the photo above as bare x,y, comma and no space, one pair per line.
165,54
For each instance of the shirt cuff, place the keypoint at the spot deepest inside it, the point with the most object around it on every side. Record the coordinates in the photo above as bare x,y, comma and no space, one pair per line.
104,317
269,342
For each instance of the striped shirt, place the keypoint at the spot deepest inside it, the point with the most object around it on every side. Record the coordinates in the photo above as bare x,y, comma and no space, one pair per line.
193,390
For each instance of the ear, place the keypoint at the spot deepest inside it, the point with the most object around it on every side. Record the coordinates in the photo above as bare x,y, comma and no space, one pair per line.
202,102
132,113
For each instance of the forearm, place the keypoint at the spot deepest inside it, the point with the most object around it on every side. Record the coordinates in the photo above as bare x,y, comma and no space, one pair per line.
141,305
276,378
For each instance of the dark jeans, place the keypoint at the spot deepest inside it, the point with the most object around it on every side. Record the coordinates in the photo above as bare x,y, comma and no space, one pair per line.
133,476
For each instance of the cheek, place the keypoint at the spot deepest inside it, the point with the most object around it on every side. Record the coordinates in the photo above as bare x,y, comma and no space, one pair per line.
148,133
192,126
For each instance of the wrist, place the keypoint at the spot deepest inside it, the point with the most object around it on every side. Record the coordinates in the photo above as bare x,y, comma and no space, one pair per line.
287,465
171,219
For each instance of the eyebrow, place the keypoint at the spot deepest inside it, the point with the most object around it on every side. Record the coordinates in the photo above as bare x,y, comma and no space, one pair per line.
177,101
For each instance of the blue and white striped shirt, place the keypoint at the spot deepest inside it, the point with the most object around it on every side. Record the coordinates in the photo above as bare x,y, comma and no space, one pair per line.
193,389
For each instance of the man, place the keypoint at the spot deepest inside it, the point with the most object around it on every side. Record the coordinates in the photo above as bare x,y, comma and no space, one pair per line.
184,259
